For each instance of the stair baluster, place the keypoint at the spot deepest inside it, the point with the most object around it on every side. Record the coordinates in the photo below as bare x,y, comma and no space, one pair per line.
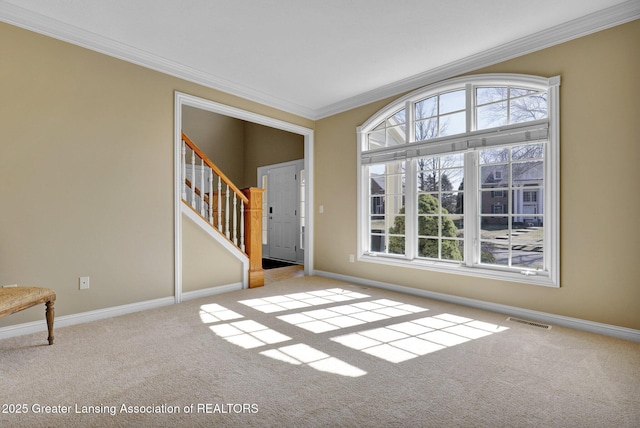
227,233
235,219
193,179
220,204
203,188
247,206
210,195
242,244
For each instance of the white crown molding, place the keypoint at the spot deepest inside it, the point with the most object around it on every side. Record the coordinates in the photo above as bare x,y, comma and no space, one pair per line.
610,17
601,20
41,24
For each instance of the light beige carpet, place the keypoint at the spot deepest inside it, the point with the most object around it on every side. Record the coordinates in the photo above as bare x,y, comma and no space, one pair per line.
314,352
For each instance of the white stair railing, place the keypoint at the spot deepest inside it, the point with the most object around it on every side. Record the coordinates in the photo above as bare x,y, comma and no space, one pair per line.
223,210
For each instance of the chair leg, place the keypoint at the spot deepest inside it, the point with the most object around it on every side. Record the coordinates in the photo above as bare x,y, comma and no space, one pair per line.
49,315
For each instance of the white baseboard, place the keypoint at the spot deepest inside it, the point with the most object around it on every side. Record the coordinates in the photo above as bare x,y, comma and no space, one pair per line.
575,323
191,295
67,320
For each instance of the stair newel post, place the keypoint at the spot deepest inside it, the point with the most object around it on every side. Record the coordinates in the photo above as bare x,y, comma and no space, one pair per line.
253,235
210,195
183,171
226,214
193,179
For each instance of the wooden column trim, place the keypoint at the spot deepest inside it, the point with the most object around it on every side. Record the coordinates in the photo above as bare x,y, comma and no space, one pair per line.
253,235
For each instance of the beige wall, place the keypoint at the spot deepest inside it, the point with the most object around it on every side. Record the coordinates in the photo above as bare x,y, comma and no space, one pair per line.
86,173
86,179
220,137
600,154
267,146
239,147
205,263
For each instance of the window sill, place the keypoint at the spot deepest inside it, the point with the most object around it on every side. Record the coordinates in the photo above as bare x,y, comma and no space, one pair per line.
537,278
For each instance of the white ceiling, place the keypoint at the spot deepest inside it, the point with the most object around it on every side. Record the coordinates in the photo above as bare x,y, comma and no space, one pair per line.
316,57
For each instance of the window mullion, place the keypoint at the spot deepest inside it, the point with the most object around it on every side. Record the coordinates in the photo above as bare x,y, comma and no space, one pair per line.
410,115
411,210
410,220
470,104
510,210
471,209
471,204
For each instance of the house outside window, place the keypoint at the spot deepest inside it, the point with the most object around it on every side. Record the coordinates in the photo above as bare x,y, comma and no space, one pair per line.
462,177
529,196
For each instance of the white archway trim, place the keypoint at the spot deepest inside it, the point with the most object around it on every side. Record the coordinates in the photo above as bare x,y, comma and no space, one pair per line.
182,99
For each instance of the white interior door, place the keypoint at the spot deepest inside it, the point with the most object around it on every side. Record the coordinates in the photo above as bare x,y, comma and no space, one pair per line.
282,212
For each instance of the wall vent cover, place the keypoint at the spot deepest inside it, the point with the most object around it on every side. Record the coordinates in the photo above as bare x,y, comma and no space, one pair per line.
531,323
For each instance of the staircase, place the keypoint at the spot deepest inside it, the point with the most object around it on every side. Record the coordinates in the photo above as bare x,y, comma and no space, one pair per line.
233,213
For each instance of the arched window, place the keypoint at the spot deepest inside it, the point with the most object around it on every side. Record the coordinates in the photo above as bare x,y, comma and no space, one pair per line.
462,177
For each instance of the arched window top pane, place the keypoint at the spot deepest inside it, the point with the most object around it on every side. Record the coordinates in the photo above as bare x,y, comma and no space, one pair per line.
442,110
391,131
491,95
506,105
427,108
452,101
440,115
397,119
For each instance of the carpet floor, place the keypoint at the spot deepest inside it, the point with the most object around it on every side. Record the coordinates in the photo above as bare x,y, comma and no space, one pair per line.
315,352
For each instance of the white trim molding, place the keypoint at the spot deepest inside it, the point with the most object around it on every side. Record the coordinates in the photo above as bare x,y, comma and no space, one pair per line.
589,24
597,21
182,99
213,291
115,311
47,26
559,320
83,317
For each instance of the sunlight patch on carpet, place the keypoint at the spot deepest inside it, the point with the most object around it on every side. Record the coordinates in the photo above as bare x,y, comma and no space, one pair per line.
248,334
302,354
214,313
404,341
338,317
302,300
395,343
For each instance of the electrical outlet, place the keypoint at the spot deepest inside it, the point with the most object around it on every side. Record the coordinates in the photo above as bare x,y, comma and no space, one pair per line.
352,258
84,282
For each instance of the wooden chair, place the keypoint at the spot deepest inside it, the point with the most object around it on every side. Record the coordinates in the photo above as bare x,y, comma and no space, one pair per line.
14,299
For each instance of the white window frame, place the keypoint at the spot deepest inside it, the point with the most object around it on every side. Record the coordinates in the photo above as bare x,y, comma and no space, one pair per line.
468,143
